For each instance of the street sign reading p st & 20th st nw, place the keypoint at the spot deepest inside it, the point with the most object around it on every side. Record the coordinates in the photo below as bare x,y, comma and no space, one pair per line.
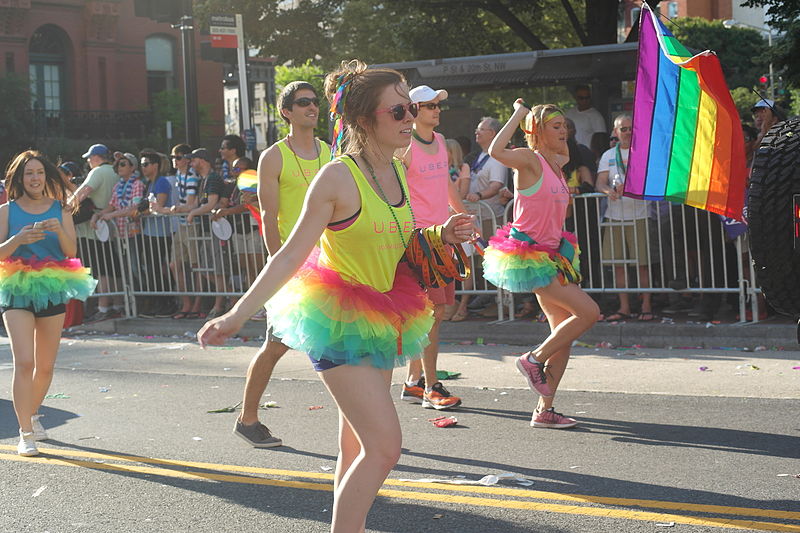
223,31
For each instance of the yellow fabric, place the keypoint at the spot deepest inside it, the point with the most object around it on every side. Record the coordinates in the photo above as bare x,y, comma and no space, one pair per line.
368,250
293,184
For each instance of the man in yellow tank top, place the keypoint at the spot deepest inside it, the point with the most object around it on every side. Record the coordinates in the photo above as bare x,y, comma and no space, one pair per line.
285,171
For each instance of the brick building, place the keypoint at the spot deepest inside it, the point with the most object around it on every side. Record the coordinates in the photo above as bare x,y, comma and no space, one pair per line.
85,56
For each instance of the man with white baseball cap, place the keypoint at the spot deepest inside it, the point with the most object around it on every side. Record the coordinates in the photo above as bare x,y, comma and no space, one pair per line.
431,191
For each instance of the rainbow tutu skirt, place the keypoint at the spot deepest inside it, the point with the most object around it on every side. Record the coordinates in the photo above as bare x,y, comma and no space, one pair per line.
344,322
40,283
517,263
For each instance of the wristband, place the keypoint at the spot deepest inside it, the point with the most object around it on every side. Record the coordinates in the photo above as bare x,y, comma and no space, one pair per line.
480,195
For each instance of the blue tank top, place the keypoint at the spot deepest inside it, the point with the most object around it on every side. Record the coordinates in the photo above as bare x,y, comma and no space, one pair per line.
47,248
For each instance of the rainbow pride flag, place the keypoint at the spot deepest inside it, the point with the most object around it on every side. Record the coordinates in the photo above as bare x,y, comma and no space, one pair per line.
687,145
248,181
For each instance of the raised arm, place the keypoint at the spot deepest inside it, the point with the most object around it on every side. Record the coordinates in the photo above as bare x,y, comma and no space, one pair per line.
518,158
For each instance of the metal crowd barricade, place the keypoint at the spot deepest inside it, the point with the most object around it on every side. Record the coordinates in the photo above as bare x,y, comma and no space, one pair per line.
676,249
687,251
487,224
109,263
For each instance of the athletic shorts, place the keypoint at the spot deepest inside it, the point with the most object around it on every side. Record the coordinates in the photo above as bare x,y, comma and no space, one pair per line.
621,242
184,245
51,310
321,365
442,295
248,243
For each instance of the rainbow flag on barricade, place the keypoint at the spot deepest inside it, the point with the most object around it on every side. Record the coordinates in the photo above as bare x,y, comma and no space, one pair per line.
687,144
248,181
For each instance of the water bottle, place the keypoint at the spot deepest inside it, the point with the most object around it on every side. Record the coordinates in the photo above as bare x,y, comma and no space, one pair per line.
616,181
152,199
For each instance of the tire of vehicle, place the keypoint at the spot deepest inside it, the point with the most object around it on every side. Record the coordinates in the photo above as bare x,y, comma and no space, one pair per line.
773,181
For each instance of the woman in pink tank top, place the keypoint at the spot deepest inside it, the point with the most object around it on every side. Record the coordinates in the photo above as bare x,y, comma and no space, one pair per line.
533,254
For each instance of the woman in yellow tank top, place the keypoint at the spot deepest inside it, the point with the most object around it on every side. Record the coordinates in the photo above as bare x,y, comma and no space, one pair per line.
356,309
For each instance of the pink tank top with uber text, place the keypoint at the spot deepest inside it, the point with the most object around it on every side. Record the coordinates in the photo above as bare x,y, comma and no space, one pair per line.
428,179
539,210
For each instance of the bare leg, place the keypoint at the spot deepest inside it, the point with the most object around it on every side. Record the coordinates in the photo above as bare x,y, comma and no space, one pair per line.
47,337
258,374
644,282
557,363
431,353
583,314
179,273
622,282
362,394
20,327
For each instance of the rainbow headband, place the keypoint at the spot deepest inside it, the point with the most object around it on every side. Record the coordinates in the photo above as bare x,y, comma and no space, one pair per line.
337,111
547,118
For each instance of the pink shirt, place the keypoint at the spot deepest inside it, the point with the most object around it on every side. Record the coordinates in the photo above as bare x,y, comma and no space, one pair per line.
428,178
539,210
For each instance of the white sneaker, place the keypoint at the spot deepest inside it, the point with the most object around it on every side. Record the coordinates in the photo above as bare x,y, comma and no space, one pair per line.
27,444
39,433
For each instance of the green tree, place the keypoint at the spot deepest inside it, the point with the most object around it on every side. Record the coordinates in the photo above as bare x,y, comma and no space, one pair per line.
784,16
328,31
313,74
741,51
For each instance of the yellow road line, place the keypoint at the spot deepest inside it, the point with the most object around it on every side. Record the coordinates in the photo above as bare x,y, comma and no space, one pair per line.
470,500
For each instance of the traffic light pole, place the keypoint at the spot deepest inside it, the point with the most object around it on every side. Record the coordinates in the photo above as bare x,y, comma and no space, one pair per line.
189,76
244,96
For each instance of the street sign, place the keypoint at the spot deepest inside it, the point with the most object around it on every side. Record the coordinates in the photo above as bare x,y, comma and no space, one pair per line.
250,139
223,31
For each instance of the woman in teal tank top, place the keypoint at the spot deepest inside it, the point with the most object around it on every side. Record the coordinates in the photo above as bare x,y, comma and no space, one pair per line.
38,275
328,298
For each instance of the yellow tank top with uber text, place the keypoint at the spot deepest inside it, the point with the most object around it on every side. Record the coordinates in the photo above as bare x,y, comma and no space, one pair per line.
296,175
369,250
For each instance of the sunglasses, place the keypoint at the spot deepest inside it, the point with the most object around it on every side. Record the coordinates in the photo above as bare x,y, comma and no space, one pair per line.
625,129
147,163
305,101
179,157
399,111
431,105
123,164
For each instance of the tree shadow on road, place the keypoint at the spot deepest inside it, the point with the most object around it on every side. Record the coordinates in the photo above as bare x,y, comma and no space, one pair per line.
248,490
9,427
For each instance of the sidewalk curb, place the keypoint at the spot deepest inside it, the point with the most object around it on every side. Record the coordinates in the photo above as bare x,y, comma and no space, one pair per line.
519,332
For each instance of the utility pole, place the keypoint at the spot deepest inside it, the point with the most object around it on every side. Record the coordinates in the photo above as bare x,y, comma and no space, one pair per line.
186,26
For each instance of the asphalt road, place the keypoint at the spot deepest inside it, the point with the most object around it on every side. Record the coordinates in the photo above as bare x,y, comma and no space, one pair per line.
661,445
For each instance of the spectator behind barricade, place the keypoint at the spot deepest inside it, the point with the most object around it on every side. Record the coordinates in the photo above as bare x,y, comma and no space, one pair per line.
155,241
247,242
487,177
231,148
100,256
599,144
625,238
460,175
121,208
211,251
587,119
466,146
70,172
766,114
184,248
582,218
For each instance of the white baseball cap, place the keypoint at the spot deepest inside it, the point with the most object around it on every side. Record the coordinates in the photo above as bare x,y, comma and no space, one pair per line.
764,102
423,93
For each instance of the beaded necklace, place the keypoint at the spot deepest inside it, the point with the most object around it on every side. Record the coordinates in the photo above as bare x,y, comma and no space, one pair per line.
386,199
319,153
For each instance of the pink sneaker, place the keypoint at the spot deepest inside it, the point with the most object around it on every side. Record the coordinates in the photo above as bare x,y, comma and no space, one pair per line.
534,373
551,419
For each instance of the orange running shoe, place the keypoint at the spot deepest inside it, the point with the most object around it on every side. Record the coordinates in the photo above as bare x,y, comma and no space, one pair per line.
439,398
